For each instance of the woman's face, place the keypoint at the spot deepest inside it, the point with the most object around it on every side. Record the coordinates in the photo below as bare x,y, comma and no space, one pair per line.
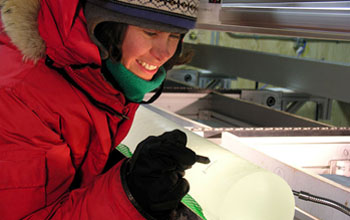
145,50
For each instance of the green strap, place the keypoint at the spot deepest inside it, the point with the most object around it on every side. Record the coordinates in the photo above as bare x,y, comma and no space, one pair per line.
124,150
186,200
192,204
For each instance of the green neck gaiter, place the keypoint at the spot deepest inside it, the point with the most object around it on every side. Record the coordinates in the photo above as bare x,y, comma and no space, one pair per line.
133,87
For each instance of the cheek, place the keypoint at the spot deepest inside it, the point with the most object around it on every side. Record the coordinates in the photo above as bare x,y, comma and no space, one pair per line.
129,53
125,60
173,47
132,51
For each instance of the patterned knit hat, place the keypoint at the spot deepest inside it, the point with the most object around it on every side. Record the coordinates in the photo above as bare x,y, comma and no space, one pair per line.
165,15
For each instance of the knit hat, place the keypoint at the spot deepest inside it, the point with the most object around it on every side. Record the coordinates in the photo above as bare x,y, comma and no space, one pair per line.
176,16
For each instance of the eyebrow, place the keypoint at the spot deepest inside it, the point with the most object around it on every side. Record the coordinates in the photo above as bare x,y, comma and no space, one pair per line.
158,31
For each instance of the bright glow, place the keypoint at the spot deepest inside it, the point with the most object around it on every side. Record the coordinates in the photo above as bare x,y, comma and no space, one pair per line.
227,188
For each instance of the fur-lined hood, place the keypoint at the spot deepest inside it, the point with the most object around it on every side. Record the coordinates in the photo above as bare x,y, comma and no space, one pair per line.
36,29
56,28
20,24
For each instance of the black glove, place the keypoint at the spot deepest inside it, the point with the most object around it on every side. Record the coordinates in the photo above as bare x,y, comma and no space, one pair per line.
155,173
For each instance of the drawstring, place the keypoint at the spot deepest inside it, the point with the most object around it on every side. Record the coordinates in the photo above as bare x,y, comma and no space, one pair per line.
49,62
156,95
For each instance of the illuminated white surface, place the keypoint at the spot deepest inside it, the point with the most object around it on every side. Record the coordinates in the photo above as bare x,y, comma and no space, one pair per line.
300,151
229,188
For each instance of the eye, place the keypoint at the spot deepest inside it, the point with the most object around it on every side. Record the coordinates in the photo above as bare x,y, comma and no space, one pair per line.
175,36
150,33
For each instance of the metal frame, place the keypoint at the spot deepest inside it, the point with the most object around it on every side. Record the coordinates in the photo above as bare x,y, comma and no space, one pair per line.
314,77
199,79
277,1
228,111
253,115
289,101
308,19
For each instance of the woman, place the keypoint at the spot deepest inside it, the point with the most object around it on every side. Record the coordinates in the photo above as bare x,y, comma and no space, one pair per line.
61,117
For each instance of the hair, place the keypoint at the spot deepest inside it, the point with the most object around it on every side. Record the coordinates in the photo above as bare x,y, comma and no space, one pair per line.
111,35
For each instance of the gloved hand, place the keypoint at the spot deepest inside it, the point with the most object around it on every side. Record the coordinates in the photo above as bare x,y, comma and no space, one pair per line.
155,173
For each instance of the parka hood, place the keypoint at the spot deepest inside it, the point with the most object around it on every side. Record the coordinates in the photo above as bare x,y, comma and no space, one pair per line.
56,28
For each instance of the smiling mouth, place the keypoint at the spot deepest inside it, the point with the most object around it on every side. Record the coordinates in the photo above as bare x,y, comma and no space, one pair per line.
147,66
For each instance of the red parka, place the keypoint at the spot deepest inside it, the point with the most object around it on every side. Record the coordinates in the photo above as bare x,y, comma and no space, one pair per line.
58,124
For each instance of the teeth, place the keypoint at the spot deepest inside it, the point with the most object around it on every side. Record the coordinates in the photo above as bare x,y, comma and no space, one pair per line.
147,66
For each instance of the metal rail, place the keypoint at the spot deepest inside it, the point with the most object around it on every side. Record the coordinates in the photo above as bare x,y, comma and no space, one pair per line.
308,19
320,78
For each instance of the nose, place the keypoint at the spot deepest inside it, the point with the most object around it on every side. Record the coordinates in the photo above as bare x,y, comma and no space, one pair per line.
161,49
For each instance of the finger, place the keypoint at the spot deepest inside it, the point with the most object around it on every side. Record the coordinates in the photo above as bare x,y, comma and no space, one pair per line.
175,136
180,189
141,149
167,181
170,198
182,156
202,159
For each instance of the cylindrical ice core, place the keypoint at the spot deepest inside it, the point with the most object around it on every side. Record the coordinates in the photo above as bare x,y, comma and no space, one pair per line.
229,187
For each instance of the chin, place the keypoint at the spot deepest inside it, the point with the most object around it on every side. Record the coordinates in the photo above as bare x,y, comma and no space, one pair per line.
145,77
